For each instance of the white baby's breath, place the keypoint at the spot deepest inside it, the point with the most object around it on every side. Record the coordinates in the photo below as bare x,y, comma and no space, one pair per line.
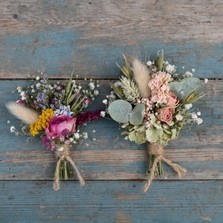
105,101
149,63
193,115
91,85
12,129
199,113
179,117
199,121
170,68
188,106
102,113
77,135
96,92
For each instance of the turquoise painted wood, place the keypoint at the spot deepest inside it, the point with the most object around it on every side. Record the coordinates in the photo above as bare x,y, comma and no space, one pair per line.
90,37
109,201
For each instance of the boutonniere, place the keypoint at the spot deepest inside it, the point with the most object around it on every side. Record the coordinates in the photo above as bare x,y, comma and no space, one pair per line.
55,112
152,102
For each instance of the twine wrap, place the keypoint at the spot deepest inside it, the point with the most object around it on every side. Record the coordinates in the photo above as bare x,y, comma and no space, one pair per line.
63,153
158,151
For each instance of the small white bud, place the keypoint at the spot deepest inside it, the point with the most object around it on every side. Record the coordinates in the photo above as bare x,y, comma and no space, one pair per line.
179,117
102,113
193,116
12,129
188,106
199,113
105,101
199,121
149,63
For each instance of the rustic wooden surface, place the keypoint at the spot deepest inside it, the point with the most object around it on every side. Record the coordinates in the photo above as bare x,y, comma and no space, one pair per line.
90,36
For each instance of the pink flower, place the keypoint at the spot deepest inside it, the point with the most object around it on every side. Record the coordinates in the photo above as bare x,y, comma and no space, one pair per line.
166,115
86,101
158,80
21,102
61,126
172,101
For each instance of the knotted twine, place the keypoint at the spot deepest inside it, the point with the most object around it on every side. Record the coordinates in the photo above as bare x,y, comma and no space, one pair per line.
158,151
63,153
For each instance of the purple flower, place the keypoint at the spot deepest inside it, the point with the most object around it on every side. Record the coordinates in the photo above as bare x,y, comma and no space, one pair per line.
49,144
40,97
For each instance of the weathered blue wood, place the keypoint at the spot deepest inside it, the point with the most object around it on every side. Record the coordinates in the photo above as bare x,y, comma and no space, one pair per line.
90,37
121,202
57,36
58,52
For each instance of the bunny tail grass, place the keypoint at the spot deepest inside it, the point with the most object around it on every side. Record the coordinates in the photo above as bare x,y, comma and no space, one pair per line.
142,77
28,116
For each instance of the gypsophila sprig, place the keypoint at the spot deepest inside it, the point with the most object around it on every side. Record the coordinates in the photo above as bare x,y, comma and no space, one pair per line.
54,111
152,104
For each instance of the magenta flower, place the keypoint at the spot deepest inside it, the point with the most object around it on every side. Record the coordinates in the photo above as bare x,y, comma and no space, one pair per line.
61,125
21,102
88,117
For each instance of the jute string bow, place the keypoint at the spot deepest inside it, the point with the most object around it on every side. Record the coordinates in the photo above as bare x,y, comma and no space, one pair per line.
63,153
158,152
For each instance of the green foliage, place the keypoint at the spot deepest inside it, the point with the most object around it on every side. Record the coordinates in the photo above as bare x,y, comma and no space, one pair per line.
129,89
188,89
136,115
153,134
137,136
121,111
160,60
126,69
118,91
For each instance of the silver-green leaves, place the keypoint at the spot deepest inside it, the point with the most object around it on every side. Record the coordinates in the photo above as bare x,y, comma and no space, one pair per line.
188,88
121,111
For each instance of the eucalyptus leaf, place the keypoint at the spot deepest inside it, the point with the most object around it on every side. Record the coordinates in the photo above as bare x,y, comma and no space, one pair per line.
186,87
137,114
119,110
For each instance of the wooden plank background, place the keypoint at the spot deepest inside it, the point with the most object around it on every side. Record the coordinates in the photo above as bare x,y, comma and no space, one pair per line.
57,36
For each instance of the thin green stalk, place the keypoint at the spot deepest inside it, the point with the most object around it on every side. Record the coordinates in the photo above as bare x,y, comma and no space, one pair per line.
65,170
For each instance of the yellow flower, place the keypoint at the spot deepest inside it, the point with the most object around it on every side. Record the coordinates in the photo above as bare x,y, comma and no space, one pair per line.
42,122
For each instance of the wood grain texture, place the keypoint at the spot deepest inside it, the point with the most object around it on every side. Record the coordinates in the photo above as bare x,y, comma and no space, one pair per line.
110,157
57,36
90,36
112,202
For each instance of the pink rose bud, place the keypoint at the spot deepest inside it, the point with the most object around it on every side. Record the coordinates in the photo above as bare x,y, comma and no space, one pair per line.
166,115
61,125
